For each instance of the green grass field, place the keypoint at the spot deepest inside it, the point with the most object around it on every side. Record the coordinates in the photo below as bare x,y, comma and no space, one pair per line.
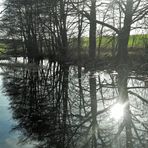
2,48
137,45
137,41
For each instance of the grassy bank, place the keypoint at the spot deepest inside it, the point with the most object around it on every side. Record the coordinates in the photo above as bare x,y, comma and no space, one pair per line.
137,48
137,41
2,48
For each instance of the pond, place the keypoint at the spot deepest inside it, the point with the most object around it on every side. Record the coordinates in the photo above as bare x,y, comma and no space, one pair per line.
61,106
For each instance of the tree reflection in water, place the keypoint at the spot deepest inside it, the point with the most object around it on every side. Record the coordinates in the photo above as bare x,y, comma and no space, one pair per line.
63,106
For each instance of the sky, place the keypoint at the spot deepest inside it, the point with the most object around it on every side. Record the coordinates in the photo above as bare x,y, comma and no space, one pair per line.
137,31
1,6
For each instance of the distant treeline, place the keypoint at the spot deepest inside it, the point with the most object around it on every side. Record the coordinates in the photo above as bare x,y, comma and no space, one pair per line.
58,28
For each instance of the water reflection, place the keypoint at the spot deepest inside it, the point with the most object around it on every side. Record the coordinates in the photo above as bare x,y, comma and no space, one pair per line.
64,106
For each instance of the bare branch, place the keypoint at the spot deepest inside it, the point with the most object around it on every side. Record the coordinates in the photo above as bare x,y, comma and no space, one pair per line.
141,98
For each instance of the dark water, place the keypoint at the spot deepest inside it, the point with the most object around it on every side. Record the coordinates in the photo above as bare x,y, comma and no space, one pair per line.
60,106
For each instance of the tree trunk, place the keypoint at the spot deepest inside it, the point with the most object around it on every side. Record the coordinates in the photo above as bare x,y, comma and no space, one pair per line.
63,30
123,37
122,57
123,99
92,81
92,31
65,101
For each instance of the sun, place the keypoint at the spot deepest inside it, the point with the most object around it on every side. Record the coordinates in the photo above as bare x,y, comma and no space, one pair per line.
117,111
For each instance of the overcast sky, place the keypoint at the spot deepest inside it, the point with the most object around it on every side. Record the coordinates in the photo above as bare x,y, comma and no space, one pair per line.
1,6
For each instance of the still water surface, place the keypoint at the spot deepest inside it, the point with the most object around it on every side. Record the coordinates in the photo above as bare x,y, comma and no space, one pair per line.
8,139
62,106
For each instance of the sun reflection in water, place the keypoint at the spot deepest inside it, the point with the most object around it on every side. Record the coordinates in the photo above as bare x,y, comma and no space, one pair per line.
117,111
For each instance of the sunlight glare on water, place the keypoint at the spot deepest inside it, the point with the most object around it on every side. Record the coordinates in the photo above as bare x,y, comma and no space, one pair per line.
117,111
